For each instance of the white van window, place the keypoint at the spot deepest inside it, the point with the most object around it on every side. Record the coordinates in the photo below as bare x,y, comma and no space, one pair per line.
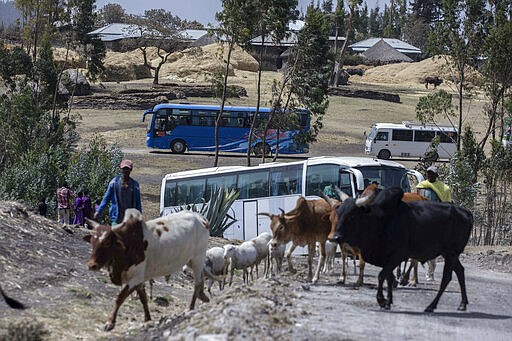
401,135
382,136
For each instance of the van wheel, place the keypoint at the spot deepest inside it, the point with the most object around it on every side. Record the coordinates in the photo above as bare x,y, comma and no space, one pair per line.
261,148
384,154
178,146
435,156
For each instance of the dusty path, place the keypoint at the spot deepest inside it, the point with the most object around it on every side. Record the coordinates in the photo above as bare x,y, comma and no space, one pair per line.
348,313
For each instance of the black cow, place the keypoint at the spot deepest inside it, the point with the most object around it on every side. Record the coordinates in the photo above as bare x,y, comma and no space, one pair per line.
389,231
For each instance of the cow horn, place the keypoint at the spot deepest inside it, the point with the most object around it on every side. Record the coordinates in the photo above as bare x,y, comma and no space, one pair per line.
326,198
92,223
266,214
282,211
364,201
343,196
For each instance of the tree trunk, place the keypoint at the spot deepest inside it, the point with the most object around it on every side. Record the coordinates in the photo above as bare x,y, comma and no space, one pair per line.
223,102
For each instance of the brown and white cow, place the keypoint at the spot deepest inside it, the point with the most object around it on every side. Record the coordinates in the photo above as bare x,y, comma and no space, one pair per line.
136,251
306,224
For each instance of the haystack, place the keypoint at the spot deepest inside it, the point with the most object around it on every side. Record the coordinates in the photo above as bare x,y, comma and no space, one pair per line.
412,73
126,66
196,62
66,59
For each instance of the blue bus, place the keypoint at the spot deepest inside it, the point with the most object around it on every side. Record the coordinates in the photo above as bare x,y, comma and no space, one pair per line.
181,127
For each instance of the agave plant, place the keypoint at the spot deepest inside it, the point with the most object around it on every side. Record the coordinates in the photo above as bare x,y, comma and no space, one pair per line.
216,210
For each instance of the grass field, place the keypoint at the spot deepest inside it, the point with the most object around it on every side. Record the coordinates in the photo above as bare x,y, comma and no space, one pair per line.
345,123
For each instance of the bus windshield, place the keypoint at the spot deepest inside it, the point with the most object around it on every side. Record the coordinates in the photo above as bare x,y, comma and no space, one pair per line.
384,176
181,127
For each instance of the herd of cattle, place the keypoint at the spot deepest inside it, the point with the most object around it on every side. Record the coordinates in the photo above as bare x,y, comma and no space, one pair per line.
383,229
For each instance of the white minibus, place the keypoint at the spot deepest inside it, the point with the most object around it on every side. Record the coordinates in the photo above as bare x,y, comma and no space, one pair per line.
408,139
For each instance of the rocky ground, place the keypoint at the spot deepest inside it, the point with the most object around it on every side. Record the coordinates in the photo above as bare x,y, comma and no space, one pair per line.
43,266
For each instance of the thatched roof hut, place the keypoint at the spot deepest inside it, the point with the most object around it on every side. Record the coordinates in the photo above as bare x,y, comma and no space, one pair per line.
384,53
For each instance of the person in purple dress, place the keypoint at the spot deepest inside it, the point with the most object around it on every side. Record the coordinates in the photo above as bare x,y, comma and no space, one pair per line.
79,210
87,205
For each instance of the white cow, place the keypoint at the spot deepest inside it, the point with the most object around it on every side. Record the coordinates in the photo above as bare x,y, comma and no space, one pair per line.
136,251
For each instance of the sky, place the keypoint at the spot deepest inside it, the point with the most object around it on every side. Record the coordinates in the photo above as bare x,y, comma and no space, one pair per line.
202,11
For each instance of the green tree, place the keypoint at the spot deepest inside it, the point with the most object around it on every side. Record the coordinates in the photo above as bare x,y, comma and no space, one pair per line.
272,22
497,71
458,36
236,25
158,28
311,62
350,20
110,14
91,49
434,107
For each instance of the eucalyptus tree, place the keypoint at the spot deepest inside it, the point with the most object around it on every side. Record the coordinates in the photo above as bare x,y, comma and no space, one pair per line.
353,12
310,70
160,29
272,19
497,72
237,22
458,36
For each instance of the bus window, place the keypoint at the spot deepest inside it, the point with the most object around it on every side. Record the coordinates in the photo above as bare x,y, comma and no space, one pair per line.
383,177
401,135
253,185
320,176
190,192
170,194
424,135
382,136
226,181
286,180
448,136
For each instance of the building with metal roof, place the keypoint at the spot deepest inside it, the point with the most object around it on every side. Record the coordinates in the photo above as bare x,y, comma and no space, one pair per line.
399,45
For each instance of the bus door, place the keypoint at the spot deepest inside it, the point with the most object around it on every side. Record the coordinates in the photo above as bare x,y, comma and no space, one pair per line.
251,221
351,181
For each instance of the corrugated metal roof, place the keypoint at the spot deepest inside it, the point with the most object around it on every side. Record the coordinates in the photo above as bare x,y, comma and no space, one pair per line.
397,44
116,31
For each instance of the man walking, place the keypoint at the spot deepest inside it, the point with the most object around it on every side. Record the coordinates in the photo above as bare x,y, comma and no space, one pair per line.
433,189
122,192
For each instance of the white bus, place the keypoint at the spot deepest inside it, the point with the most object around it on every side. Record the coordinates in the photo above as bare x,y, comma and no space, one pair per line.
409,140
273,186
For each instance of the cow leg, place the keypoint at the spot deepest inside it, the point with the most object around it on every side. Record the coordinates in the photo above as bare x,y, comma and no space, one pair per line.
447,277
288,255
343,275
311,254
141,291
459,271
360,279
404,279
197,265
380,296
111,322
321,261
414,280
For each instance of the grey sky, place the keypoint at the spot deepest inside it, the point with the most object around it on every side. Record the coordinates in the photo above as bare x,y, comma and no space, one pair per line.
201,10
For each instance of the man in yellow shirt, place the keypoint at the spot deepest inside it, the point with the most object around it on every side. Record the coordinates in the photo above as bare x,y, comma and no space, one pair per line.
436,190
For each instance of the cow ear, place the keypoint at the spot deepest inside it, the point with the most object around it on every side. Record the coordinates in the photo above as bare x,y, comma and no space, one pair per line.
87,238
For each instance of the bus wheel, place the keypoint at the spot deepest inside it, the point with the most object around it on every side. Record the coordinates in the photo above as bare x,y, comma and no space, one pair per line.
261,148
178,146
384,154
